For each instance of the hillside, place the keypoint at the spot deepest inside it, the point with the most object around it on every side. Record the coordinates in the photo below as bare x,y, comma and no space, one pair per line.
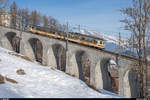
41,82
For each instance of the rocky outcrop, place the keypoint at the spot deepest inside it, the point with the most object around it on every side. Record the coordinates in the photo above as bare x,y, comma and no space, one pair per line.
20,72
2,79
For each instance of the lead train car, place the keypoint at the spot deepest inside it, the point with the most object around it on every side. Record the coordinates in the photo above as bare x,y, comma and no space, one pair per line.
87,40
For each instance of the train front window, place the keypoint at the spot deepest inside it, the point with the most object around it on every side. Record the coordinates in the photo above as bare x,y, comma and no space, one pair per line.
83,38
101,42
86,39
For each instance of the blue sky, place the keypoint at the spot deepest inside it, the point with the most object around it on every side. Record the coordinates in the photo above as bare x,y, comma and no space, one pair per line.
100,15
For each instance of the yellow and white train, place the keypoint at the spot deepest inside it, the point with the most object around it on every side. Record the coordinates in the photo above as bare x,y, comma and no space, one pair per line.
72,37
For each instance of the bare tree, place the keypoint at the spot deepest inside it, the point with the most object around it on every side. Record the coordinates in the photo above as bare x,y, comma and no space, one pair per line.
35,18
24,17
4,4
137,22
13,12
45,21
53,24
119,47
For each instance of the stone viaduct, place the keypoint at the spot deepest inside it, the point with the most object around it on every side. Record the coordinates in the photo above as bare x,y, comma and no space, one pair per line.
88,64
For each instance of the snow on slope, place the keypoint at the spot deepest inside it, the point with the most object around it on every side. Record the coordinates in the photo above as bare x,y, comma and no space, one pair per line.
41,82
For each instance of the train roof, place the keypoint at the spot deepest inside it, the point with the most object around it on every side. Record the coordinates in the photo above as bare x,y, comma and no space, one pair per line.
75,33
89,36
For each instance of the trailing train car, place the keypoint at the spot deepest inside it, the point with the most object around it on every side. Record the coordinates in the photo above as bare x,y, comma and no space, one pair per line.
72,37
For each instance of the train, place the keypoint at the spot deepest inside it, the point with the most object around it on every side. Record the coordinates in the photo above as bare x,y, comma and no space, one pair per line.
74,37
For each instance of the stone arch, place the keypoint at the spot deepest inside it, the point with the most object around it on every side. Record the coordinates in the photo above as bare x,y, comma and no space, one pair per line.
110,76
114,75
37,48
14,41
105,74
5,43
84,65
130,84
134,86
60,56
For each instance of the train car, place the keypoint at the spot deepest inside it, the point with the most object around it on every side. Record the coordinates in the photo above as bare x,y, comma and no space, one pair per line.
42,31
72,37
87,40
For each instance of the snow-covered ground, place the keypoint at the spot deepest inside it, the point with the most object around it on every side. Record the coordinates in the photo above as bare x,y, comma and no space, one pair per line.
42,82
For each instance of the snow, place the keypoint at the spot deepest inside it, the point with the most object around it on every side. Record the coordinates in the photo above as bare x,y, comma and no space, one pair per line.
107,92
148,57
41,82
112,64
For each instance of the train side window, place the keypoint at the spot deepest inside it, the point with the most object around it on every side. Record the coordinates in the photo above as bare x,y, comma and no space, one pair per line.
83,38
89,40
70,36
93,41
96,42
86,39
75,36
